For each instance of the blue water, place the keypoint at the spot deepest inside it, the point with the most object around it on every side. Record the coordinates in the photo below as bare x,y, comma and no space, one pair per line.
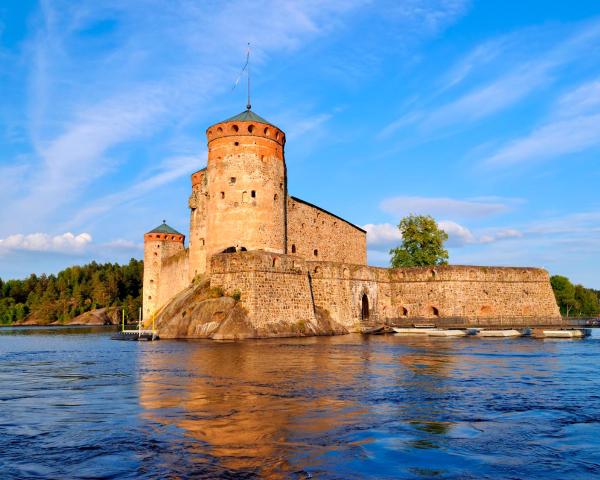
74,404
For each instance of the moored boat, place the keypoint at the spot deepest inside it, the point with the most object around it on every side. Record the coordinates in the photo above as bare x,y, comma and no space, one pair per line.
499,333
412,331
447,333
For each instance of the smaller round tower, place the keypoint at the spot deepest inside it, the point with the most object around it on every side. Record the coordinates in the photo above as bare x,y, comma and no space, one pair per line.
246,186
159,244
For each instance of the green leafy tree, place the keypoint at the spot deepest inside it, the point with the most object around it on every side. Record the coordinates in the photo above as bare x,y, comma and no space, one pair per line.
564,291
587,301
422,243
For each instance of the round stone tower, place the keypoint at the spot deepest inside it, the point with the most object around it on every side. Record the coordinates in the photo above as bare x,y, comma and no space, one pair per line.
159,244
247,186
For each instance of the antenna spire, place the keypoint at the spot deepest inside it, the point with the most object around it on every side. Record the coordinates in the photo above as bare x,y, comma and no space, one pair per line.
248,105
245,68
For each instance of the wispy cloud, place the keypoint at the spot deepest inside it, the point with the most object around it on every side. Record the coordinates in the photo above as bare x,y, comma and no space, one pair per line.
573,127
446,207
508,86
169,170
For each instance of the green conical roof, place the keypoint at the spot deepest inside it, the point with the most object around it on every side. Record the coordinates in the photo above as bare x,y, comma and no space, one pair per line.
164,228
247,116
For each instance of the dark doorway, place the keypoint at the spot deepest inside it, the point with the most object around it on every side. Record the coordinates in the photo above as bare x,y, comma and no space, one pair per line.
364,312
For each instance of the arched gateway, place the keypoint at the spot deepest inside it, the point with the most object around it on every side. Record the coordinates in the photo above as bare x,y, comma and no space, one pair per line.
364,310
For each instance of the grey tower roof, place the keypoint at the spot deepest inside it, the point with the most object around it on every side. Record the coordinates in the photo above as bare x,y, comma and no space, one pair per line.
247,116
164,228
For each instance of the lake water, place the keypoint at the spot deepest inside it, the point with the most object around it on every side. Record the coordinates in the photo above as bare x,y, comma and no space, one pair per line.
74,404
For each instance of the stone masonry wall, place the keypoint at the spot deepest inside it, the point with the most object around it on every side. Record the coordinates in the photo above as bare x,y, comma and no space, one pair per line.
174,276
274,288
314,234
469,295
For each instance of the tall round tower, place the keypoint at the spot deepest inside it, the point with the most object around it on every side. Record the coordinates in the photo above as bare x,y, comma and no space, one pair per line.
247,186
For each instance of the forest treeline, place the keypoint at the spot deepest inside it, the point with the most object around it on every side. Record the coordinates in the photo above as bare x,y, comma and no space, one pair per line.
73,291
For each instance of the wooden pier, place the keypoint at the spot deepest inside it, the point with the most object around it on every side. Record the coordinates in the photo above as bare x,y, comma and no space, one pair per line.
136,334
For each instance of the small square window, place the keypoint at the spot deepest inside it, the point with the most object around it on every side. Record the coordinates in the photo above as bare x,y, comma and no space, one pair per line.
231,180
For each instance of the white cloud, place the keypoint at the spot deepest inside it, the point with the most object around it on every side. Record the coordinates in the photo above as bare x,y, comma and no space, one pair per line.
386,235
382,234
43,242
459,235
572,128
122,245
443,206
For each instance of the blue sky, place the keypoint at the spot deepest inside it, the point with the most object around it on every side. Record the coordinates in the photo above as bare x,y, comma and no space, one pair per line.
484,114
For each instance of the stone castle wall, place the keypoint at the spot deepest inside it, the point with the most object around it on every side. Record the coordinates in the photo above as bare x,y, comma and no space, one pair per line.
462,294
198,214
174,276
315,234
276,288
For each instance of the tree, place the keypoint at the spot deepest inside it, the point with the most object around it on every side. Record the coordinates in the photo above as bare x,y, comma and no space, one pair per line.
422,243
587,301
564,291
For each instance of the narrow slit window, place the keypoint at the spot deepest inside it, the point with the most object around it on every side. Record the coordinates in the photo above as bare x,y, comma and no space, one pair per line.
253,193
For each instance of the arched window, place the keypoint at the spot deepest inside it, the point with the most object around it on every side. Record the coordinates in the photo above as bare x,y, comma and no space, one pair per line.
222,195
250,128
235,128
315,252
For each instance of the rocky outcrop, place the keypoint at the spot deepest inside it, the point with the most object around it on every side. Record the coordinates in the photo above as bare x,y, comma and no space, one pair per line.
100,316
202,312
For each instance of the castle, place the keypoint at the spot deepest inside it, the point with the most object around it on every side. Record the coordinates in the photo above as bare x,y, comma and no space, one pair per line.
289,260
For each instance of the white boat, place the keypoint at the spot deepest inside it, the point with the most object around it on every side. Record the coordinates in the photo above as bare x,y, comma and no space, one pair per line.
499,333
412,331
447,333
564,334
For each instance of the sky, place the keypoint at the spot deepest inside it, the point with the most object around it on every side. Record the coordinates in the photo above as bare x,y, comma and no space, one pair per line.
483,114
